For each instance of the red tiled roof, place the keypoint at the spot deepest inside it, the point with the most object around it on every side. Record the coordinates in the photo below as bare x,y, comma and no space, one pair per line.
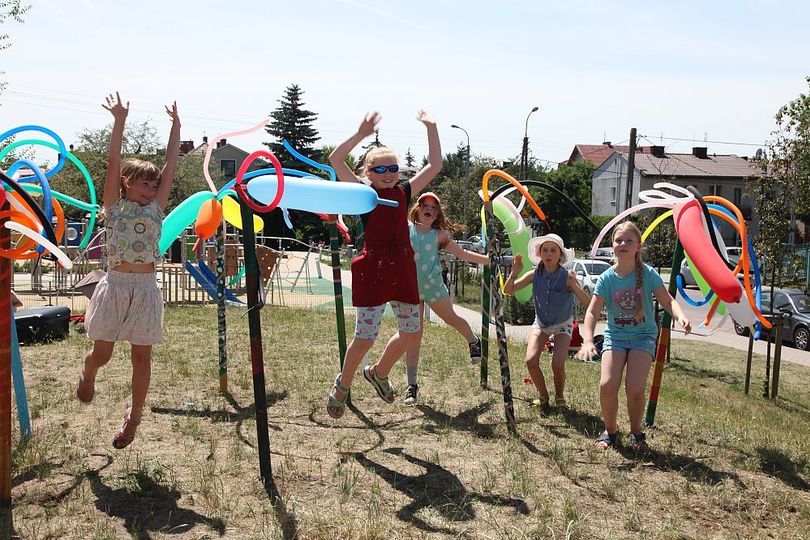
595,153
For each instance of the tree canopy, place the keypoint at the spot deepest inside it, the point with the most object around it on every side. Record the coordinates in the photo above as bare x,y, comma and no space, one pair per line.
291,121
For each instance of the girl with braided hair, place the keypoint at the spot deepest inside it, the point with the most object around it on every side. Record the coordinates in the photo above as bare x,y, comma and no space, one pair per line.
630,337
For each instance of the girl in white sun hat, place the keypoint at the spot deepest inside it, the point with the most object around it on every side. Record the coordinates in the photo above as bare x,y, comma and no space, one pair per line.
553,291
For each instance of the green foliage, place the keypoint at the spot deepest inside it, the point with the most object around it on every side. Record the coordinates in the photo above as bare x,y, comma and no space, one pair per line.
139,138
14,10
410,159
783,191
295,124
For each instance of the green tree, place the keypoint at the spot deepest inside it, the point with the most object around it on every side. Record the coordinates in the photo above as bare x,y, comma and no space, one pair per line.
10,10
410,159
291,121
139,138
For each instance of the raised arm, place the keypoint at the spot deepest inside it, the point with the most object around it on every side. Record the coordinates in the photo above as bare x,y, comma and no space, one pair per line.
429,171
514,283
588,349
577,289
673,307
112,181
449,245
338,156
172,153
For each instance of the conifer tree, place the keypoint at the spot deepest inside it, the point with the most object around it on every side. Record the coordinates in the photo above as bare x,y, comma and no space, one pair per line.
291,121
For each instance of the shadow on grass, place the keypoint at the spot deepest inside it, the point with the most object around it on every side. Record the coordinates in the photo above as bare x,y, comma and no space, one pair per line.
289,525
725,377
464,421
686,466
437,489
145,506
777,464
239,416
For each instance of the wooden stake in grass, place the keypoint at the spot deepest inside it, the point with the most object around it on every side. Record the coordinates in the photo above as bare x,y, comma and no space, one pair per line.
486,287
663,338
256,352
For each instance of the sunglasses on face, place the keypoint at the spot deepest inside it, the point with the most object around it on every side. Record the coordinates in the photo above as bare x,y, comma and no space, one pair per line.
380,169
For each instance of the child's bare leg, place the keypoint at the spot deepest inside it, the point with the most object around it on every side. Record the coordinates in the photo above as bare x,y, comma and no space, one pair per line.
396,347
444,309
537,341
412,354
96,358
141,376
561,343
355,352
612,367
638,367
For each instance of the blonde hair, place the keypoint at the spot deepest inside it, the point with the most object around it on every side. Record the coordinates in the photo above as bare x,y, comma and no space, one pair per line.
376,152
441,222
634,230
138,169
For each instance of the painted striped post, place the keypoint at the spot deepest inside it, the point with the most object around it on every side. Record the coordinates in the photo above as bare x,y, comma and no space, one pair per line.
500,330
337,283
222,340
256,353
486,287
6,266
663,338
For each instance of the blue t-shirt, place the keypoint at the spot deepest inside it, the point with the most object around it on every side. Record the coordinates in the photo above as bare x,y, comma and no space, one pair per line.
619,295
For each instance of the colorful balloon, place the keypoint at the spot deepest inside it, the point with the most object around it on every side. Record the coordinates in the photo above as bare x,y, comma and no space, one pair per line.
209,216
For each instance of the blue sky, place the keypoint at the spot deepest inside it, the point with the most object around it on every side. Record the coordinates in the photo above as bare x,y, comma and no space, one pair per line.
715,70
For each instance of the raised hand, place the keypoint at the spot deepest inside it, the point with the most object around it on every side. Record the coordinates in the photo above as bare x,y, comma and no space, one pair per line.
118,109
369,124
517,264
425,118
173,113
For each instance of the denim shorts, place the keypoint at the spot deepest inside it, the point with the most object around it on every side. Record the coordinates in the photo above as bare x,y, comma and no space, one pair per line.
639,343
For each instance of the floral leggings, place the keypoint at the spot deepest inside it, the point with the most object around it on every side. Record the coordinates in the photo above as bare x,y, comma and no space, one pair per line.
370,318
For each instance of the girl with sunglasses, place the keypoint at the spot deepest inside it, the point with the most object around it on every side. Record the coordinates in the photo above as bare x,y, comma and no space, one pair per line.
385,271
430,232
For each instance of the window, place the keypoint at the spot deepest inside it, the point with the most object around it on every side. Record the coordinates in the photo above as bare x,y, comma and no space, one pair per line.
780,301
716,189
228,168
613,196
737,196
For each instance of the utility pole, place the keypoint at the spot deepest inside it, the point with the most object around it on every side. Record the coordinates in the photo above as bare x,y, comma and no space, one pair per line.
631,169
524,154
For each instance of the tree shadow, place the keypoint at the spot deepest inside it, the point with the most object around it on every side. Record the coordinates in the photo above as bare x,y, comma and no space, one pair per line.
466,420
437,489
239,416
584,422
724,377
777,464
686,466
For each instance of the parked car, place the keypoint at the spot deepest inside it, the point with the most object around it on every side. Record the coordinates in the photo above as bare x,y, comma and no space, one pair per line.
795,307
686,272
587,272
604,254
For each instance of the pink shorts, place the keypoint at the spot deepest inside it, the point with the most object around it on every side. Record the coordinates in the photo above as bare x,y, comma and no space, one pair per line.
126,307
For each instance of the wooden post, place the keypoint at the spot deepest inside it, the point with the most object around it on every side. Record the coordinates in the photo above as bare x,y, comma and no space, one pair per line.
486,288
6,266
256,353
777,357
222,342
748,362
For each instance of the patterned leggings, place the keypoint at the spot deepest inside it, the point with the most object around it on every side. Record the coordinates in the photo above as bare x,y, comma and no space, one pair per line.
370,318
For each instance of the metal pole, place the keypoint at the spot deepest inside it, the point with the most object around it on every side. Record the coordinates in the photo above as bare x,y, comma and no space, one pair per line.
221,324
524,154
6,269
748,362
777,356
467,176
631,169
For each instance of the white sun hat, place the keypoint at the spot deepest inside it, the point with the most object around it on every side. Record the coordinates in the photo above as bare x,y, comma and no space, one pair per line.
537,241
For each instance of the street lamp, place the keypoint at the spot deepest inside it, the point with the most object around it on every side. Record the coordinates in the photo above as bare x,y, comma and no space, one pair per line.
467,181
524,155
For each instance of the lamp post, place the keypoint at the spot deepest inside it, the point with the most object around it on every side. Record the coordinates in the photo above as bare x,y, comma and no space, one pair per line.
467,176
524,155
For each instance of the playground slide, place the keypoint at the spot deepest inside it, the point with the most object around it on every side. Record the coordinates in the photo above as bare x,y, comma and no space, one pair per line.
209,284
212,278
518,234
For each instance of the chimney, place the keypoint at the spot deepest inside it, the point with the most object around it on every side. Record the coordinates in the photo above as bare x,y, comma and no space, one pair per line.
657,151
186,146
607,143
221,143
700,152
205,139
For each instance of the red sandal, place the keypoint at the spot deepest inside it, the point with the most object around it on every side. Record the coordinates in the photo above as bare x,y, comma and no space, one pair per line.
123,439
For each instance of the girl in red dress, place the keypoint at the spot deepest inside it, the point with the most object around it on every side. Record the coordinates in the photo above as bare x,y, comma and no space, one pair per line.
385,271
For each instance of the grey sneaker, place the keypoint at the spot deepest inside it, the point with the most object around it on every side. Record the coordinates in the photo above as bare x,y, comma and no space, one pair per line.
411,394
475,351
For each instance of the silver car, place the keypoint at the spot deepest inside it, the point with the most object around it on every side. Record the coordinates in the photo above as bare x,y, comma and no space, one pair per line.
587,272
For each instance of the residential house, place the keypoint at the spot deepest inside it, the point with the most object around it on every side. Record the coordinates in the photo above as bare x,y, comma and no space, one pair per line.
711,174
227,157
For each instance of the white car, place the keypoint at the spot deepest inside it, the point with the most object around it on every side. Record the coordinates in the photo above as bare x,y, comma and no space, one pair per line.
587,272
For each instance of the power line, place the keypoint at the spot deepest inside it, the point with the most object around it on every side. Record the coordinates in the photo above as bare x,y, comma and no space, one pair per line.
712,142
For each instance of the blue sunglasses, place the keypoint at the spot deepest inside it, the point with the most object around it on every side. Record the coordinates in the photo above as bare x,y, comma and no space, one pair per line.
380,169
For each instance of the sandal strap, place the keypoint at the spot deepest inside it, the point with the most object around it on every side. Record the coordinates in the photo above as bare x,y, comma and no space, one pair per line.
339,385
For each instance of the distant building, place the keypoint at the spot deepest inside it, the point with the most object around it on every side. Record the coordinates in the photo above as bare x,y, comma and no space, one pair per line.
712,174
225,156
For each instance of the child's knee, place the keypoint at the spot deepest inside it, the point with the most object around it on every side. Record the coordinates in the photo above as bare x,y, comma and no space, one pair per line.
533,361
634,394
